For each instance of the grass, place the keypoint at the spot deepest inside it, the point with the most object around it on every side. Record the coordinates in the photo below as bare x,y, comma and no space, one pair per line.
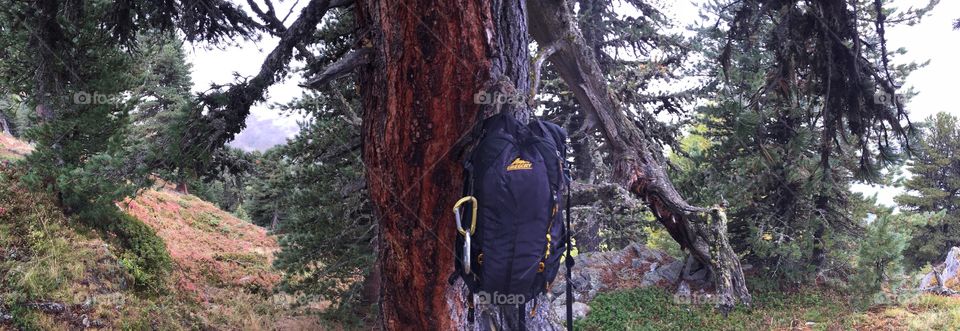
924,312
654,309
41,256
218,282
800,309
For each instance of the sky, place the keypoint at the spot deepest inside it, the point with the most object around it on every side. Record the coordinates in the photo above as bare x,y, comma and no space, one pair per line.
932,39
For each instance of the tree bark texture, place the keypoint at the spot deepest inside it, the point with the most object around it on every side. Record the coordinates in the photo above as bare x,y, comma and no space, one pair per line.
637,162
428,59
428,62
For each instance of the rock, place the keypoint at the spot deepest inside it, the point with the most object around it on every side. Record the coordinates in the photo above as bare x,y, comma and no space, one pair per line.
87,304
683,290
598,272
662,274
580,310
49,307
670,271
949,273
699,275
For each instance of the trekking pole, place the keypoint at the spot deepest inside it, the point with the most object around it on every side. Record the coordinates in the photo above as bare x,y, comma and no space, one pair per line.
466,234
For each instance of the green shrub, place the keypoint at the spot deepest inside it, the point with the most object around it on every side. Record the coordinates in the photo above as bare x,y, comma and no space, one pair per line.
145,255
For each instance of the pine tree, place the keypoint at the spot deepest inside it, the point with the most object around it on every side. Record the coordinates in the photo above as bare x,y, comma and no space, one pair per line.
933,187
780,137
270,188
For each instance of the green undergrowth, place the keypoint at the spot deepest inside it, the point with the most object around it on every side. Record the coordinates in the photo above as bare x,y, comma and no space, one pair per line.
656,309
46,257
805,308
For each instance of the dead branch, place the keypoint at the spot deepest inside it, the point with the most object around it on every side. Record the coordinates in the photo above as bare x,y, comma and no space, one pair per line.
538,61
343,66
941,288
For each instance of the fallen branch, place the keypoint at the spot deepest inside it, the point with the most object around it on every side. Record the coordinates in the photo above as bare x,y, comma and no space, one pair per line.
940,288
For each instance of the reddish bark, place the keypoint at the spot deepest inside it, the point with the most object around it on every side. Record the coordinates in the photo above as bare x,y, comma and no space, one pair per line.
429,59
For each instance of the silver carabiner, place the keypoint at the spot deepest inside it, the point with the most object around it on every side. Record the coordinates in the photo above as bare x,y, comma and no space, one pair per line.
466,232
466,254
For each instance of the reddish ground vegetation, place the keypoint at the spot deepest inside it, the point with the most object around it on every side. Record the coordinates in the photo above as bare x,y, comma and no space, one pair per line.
212,250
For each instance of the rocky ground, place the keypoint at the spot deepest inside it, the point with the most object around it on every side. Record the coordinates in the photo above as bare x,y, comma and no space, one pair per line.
635,266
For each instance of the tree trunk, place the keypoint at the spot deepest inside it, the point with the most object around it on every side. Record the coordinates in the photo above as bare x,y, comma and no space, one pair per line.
420,93
429,59
637,162
275,222
182,186
583,148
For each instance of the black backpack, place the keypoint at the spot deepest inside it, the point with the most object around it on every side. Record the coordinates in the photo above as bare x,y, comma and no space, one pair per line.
515,178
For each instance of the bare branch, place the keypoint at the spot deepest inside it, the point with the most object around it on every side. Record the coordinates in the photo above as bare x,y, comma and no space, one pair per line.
343,66
538,61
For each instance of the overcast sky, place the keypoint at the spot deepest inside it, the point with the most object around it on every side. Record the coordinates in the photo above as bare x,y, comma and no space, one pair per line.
933,39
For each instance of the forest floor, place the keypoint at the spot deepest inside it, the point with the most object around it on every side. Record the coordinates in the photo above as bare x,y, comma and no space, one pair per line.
56,274
806,308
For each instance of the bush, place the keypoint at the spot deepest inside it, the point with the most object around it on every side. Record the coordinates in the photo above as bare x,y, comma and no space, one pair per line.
145,256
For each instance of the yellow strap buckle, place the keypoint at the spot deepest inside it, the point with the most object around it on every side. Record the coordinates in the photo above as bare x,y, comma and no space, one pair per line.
473,221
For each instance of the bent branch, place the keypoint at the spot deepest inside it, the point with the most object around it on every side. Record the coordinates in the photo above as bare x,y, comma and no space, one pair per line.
228,110
637,163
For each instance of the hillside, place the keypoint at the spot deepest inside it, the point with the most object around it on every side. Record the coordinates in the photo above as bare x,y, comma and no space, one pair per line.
55,274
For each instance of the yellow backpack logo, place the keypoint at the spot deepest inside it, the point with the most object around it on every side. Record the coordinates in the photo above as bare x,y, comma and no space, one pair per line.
520,164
